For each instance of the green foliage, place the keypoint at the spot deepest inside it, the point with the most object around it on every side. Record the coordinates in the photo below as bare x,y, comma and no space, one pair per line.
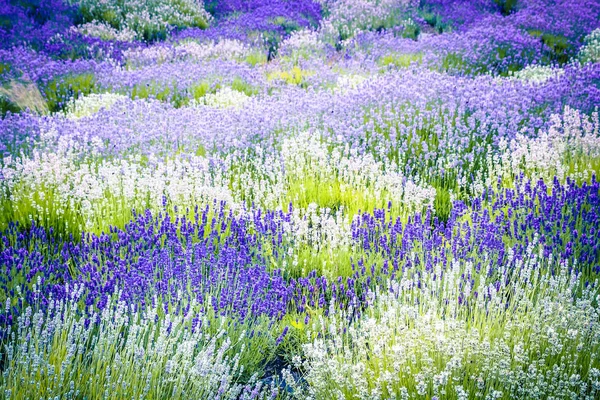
452,61
199,90
410,30
560,50
435,21
59,91
256,58
295,76
7,106
442,203
211,6
6,22
4,68
401,60
328,193
506,6
288,26
271,39
244,87
557,48
201,151
163,93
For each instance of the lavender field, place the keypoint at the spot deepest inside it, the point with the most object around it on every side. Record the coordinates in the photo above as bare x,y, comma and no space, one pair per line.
299,199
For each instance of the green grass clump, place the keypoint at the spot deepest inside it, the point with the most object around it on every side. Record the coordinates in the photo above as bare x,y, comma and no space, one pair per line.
435,21
506,6
295,76
4,68
165,93
453,61
442,204
256,58
59,91
560,48
557,48
7,106
179,97
401,60
410,29
327,193
244,87
200,90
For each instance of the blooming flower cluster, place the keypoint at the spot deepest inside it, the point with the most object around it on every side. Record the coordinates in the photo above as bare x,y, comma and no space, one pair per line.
347,18
590,52
105,32
401,348
166,359
310,199
89,105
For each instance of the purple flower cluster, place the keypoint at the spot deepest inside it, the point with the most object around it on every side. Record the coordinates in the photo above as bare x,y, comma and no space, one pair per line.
495,230
571,19
41,68
19,133
504,36
223,260
215,259
481,110
33,22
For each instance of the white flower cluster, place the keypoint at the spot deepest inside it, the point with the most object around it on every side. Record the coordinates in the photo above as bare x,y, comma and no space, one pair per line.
590,52
302,44
349,17
182,363
319,227
357,176
413,343
348,82
571,147
189,51
89,105
224,49
58,185
139,57
62,177
224,98
144,17
537,73
104,31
